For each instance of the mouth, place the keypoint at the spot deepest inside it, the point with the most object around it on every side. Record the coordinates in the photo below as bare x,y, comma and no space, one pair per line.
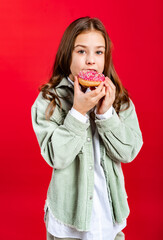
90,70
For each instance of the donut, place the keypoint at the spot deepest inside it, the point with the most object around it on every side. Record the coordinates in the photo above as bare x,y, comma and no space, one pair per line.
90,78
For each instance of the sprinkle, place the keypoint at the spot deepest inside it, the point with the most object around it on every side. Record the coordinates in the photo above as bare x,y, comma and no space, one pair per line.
91,75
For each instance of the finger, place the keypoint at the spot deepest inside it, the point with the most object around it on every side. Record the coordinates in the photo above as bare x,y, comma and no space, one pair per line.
111,94
107,87
76,84
97,90
110,90
100,95
111,84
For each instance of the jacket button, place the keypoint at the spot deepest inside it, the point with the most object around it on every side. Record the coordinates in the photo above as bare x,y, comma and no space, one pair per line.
88,139
90,168
91,197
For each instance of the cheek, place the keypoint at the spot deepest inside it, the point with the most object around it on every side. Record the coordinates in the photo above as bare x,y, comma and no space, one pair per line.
101,63
77,63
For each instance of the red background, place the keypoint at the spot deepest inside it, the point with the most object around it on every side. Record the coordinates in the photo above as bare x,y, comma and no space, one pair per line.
30,34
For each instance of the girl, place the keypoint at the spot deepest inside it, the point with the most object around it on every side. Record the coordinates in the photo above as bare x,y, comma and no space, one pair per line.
84,136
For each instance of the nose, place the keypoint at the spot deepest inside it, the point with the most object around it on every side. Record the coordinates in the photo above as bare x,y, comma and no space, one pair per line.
90,59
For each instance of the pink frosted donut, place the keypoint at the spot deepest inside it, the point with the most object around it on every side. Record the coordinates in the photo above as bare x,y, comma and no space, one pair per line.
90,78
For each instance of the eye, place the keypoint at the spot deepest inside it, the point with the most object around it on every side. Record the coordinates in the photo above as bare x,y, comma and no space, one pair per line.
99,52
81,51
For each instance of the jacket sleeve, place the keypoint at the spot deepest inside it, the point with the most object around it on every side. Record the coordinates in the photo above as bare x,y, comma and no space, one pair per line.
121,135
61,138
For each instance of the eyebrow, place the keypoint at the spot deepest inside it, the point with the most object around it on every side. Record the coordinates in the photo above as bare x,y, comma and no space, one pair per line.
79,45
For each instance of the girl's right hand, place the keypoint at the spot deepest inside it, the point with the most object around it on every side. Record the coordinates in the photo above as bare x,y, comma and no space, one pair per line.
83,102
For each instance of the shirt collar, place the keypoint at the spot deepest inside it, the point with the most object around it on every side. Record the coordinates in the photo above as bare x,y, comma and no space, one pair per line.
70,81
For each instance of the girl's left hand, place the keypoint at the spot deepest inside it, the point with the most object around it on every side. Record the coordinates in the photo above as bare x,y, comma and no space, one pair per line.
107,101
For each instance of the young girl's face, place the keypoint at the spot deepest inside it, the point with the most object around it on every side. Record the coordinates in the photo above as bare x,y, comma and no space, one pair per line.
88,53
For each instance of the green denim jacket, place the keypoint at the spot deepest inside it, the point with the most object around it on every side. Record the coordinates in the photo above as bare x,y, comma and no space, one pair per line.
66,145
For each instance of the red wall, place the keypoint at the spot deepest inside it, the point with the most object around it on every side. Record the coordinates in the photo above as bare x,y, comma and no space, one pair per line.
30,34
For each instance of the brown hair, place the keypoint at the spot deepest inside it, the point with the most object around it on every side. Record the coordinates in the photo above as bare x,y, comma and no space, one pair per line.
63,58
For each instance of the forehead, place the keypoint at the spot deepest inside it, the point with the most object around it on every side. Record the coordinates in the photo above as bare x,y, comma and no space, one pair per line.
93,38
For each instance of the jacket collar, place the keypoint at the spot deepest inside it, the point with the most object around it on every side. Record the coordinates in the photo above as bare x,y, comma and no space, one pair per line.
64,83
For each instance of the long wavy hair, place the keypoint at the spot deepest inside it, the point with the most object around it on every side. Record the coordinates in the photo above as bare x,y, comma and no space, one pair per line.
63,59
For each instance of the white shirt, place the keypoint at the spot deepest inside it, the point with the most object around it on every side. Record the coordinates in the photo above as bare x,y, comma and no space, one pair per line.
101,226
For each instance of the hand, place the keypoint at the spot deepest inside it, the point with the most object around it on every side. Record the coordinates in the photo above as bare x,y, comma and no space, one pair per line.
107,101
83,102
